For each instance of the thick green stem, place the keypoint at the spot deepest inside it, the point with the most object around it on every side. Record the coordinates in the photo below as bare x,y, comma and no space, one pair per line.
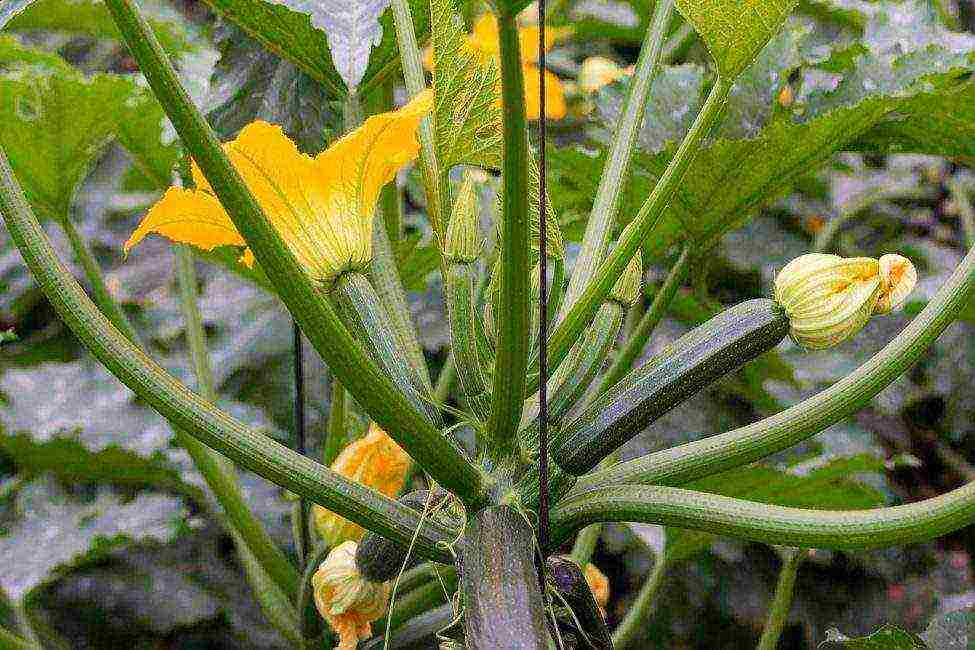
782,600
585,544
262,555
581,312
599,228
411,58
445,380
637,340
642,608
187,411
344,356
761,522
422,628
753,442
367,318
513,319
336,430
96,280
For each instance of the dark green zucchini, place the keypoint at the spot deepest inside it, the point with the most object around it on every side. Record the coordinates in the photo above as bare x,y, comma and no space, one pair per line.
565,576
700,357
503,606
379,559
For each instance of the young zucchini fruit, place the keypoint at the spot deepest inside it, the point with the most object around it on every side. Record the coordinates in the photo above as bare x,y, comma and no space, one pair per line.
696,360
566,578
379,559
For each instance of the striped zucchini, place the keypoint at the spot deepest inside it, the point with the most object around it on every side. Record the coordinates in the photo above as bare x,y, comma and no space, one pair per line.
379,559
697,359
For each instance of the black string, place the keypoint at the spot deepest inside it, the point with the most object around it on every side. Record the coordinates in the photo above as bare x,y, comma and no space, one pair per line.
543,504
299,424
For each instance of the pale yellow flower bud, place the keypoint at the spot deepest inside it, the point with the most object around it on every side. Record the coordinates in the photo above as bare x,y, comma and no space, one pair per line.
626,291
375,461
828,298
345,599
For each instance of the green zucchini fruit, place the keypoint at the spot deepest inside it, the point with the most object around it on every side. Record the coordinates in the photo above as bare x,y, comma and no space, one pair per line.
565,576
702,356
503,605
379,559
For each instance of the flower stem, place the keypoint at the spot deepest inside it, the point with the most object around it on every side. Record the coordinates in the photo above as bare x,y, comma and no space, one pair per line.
318,320
637,341
409,52
642,608
336,432
599,228
188,412
512,323
753,442
782,600
761,522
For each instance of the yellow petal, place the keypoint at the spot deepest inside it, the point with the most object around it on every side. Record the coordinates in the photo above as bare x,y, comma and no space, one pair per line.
899,277
554,95
483,40
528,40
192,217
350,174
596,72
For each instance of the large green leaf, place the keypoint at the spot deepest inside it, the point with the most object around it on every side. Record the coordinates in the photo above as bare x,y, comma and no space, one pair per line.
252,83
292,35
830,487
91,18
735,31
47,530
468,117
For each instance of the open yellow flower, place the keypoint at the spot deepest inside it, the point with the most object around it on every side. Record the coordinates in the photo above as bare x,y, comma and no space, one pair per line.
375,461
322,206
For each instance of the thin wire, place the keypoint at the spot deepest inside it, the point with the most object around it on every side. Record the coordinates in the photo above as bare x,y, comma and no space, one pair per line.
299,424
543,500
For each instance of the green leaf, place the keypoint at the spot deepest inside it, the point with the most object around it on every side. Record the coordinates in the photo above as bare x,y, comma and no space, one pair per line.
468,117
51,530
888,637
829,487
57,121
735,31
252,83
91,18
293,36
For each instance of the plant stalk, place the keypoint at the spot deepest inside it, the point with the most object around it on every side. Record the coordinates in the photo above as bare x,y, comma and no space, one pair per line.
344,356
782,600
643,606
512,323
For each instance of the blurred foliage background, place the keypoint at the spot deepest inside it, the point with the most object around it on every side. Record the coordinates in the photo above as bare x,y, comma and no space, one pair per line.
106,538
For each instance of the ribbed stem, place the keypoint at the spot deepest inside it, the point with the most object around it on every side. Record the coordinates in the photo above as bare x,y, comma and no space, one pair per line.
336,432
637,341
582,310
186,411
790,427
412,61
343,355
761,522
782,600
366,317
642,608
512,324
599,228
461,315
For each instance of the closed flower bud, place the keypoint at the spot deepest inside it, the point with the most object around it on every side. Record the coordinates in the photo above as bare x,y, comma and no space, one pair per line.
828,298
626,291
375,461
346,600
463,236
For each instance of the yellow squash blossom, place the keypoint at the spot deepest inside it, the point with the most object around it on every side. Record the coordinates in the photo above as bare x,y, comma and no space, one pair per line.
375,461
322,206
598,71
345,598
598,585
829,298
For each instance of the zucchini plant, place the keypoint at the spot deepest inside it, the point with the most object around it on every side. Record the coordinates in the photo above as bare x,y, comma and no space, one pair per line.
544,368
